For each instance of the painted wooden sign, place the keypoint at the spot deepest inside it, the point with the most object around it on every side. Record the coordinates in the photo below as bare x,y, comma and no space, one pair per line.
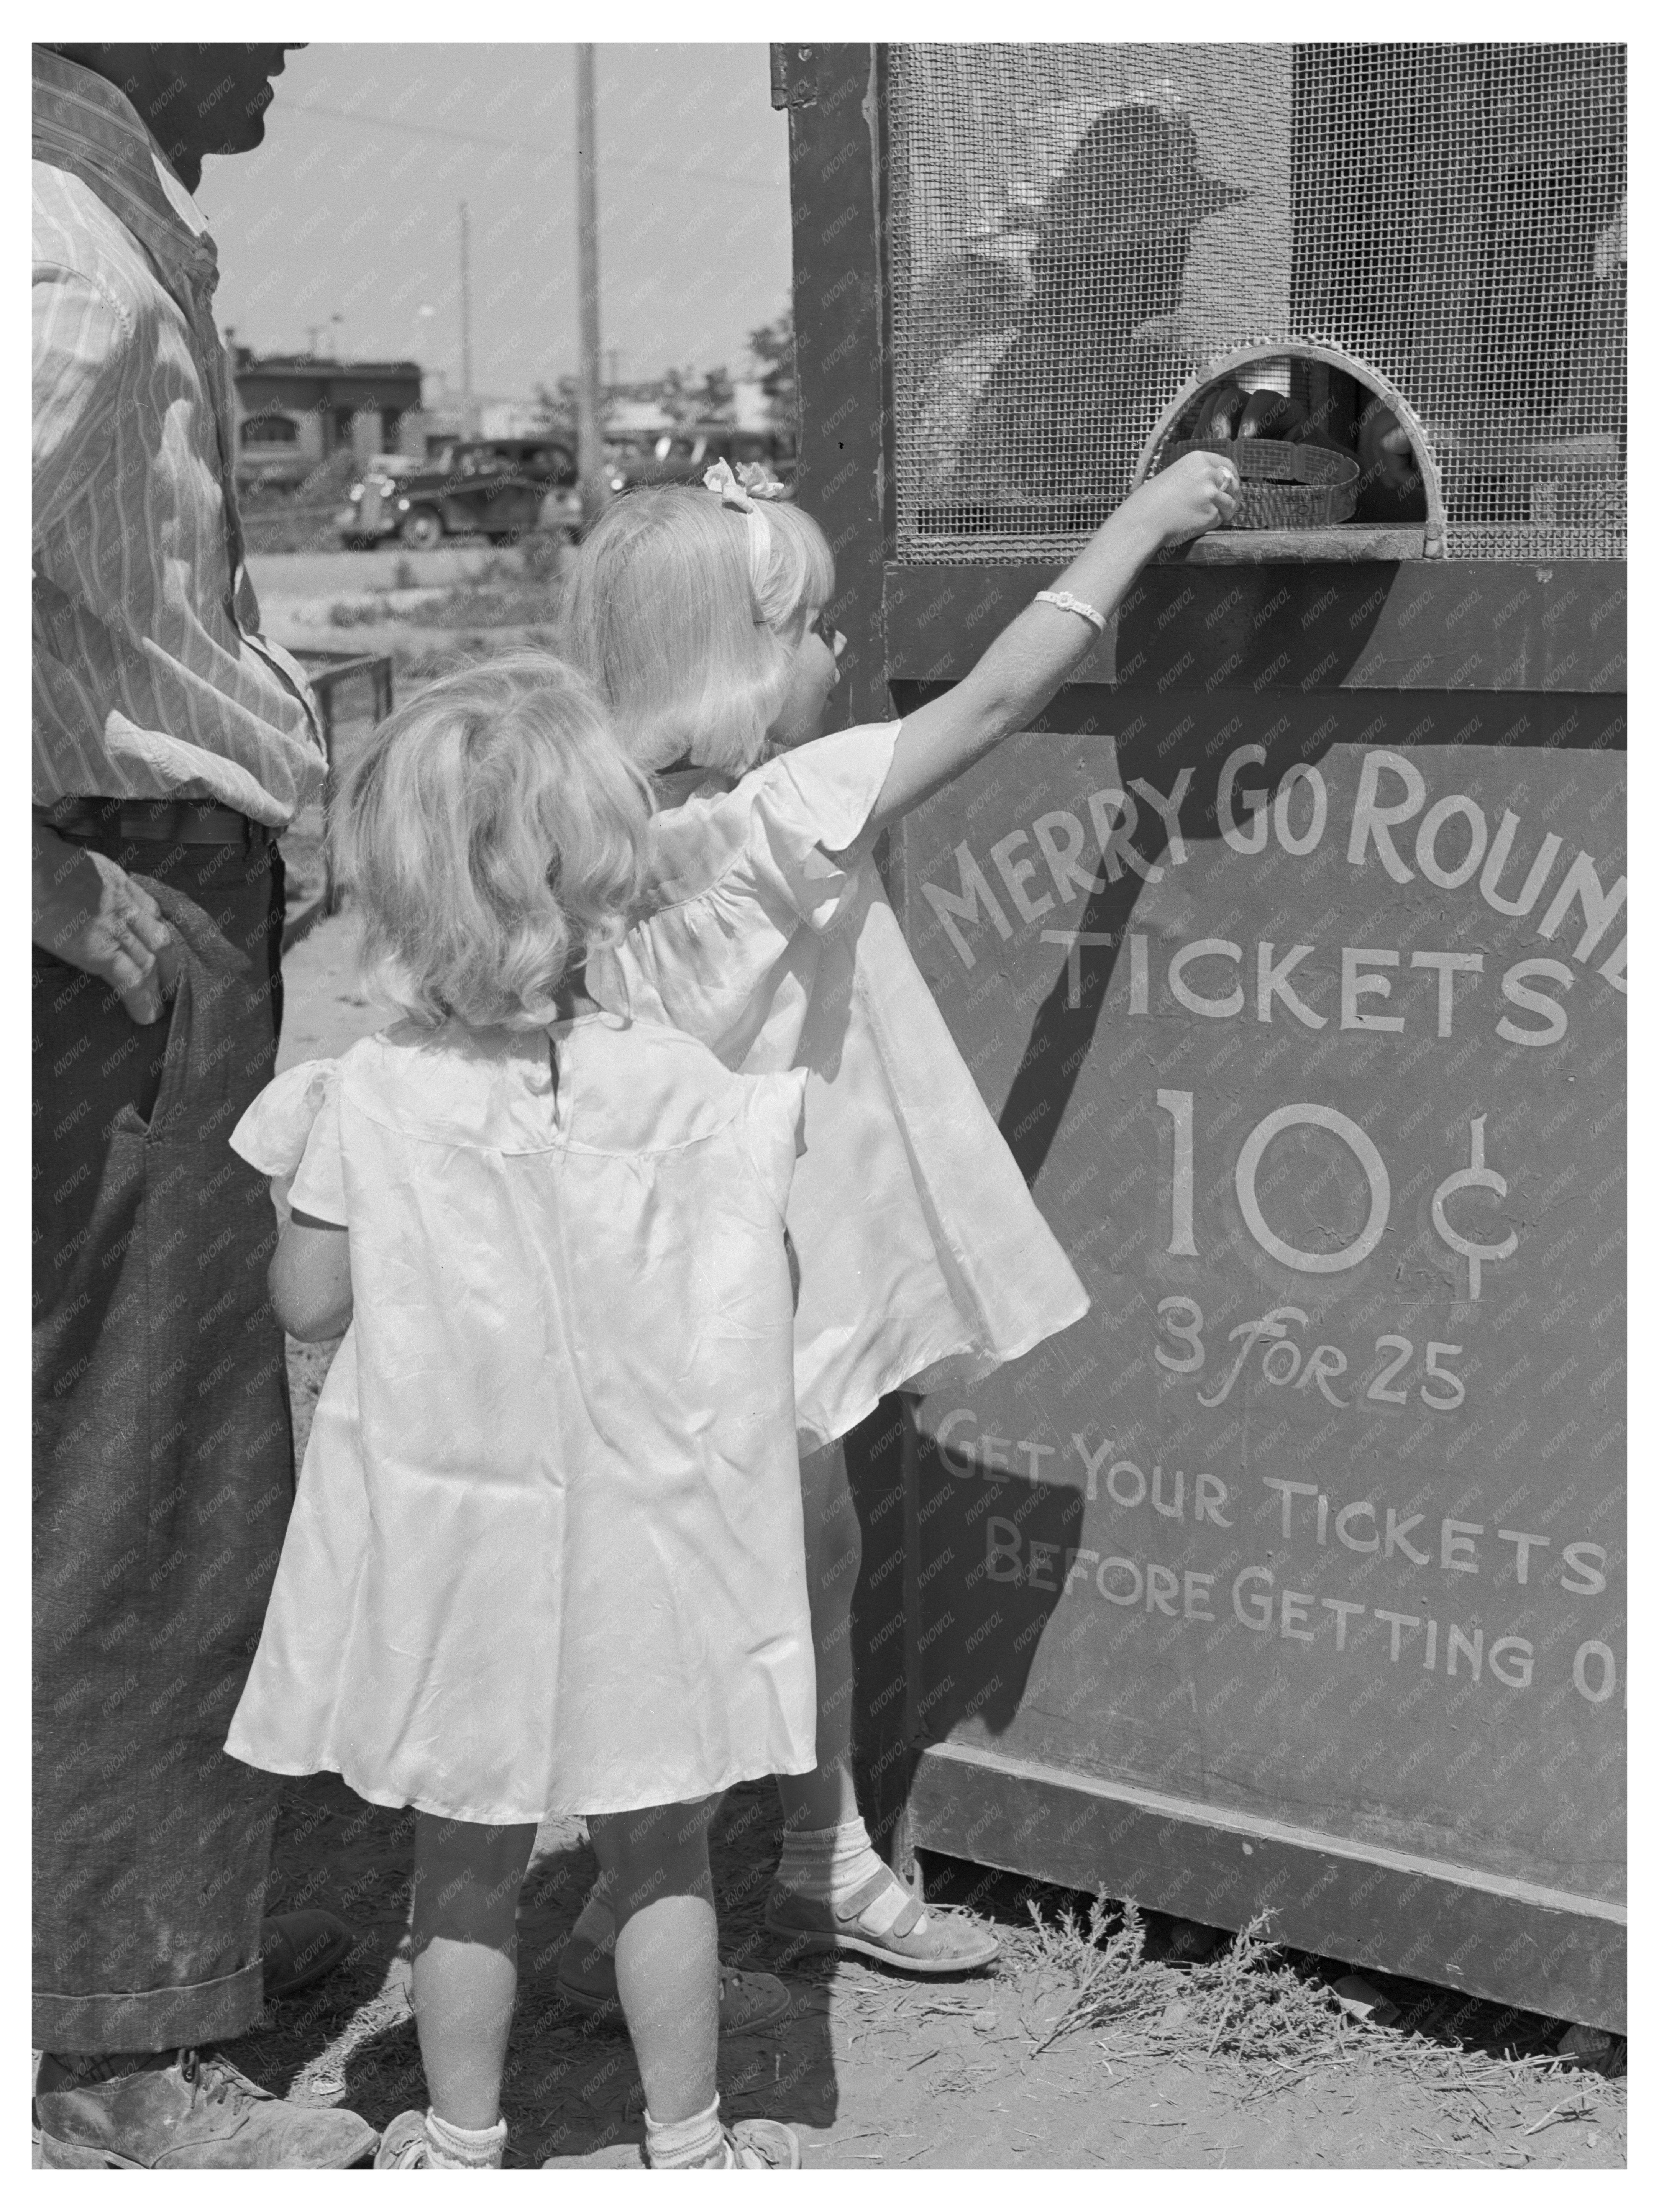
1306,1019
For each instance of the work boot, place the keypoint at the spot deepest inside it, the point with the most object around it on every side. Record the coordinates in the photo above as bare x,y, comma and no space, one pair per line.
181,2110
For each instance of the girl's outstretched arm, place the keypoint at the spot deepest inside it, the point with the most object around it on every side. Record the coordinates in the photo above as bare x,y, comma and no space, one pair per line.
310,1279
1021,671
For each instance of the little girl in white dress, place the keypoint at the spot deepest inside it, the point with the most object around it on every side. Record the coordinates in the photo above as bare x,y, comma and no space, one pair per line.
922,1257
546,1554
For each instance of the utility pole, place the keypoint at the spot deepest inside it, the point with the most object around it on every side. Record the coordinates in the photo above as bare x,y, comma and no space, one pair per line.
589,458
468,422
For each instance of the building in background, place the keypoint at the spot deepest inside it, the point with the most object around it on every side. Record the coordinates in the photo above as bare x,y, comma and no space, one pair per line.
295,412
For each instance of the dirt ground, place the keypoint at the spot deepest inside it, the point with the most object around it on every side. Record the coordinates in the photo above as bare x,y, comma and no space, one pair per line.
425,609
876,2070
1193,2052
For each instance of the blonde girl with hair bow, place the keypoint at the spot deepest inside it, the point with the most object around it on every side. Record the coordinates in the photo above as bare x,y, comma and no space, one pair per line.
700,616
546,1553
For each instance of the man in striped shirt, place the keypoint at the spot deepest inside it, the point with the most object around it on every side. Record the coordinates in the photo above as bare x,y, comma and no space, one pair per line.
172,744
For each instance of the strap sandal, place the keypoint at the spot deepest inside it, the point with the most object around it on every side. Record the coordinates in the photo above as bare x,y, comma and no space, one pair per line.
298,1948
922,1939
748,2001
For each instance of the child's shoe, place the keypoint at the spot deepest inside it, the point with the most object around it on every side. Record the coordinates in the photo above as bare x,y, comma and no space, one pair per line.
760,2144
901,1931
423,2142
748,2001
751,2146
298,1948
402,2142
833,1892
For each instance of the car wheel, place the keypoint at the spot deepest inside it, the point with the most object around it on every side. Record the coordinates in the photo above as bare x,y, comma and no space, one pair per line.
422,528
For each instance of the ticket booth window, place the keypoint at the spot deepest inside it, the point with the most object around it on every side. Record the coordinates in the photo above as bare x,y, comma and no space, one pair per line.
1077,230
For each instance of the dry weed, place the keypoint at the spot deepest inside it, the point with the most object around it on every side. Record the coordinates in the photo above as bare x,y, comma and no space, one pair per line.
1269,2019
1249,2001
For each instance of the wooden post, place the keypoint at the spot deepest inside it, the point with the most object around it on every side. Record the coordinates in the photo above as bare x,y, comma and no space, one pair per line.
469,421
590,463
838,191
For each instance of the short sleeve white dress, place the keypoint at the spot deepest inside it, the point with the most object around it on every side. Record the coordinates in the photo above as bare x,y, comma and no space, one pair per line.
546,1554
924,1262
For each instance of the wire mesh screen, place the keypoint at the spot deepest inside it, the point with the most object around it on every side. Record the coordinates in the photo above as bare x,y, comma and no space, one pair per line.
1077,228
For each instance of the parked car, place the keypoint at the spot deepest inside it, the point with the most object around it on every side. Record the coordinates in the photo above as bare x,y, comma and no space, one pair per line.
681,455
500,487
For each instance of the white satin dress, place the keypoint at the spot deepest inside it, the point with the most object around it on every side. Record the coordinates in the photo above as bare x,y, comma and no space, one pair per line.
924,1262
546,1554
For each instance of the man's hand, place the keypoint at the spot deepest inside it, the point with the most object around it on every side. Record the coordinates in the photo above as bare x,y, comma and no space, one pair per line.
1384,447
90,913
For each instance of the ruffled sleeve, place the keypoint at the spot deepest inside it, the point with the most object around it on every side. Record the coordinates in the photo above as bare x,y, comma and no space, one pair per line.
293,1129
810,804
745,881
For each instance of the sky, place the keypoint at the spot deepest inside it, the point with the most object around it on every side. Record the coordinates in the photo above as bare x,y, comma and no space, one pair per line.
350,209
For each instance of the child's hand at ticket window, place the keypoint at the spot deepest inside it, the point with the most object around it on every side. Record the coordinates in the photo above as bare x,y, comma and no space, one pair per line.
1194,494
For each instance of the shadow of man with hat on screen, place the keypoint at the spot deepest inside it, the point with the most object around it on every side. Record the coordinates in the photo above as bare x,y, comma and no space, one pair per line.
1095,345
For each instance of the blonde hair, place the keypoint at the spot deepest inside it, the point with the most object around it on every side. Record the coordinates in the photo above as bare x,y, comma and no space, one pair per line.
688,638
492,831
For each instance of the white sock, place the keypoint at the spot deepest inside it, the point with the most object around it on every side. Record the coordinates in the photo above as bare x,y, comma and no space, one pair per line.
825,1864
699,2140
596,1924
450,2150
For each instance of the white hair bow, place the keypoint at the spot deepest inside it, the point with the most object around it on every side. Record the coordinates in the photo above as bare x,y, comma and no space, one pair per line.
752,481
739,492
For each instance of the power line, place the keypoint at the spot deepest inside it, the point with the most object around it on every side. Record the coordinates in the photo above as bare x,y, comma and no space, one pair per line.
520,145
